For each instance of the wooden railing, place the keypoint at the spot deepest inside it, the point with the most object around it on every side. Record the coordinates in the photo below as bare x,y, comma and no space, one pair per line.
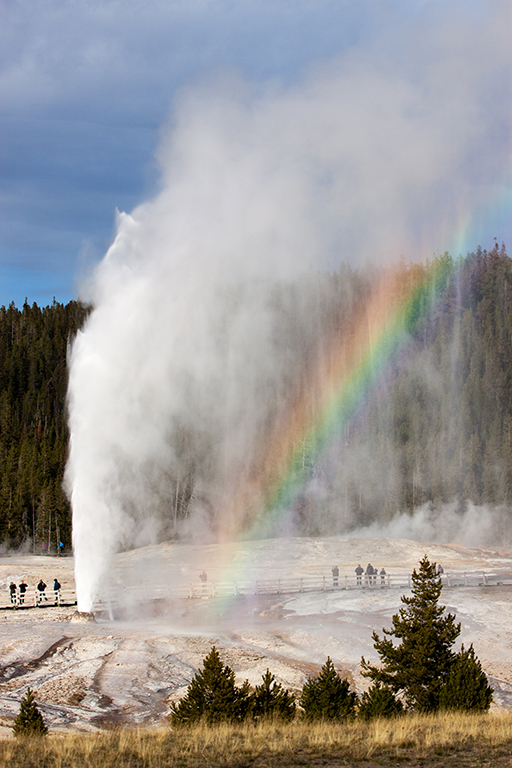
277,586
33,598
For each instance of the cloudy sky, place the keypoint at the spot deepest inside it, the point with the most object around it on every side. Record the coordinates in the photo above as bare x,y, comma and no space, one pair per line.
91,89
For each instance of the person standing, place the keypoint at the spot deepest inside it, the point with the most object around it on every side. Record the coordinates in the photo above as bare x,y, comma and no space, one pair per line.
41,587
382,577
56,589
12,590
335,575
23,589
359,573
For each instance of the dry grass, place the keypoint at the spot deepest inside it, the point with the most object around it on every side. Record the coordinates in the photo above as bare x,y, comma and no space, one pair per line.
453,740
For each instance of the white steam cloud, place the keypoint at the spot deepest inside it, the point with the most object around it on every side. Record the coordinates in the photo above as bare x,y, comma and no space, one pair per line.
473,526
366,159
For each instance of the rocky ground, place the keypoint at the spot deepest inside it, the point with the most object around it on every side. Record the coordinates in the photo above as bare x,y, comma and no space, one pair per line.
88,675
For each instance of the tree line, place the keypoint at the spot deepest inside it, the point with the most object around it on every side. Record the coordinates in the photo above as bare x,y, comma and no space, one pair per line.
33,423
436,423
418,672
436,428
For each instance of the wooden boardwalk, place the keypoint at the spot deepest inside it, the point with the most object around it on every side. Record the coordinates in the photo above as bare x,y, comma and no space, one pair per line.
347,583
288,586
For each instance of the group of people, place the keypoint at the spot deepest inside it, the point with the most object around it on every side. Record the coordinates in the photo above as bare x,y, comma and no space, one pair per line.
370,575
17,593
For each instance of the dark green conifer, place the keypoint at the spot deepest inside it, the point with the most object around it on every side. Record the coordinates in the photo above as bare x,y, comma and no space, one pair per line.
29,721
419,664
212,695
271,700
379,701
466,687
327,697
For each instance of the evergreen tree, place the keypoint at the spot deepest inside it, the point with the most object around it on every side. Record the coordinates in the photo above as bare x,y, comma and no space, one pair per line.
436,429
327,697
212,695
379,701
466,687
271,700
33,429
29,721
419,664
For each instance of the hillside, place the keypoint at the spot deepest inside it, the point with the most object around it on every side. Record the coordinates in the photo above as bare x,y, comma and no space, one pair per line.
435,426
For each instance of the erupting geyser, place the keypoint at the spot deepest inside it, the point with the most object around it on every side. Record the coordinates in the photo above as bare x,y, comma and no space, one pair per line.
183,368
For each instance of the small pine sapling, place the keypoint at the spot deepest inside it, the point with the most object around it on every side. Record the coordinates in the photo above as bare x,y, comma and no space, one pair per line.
270,700
212,695
466,687
379,701
29,721
327,697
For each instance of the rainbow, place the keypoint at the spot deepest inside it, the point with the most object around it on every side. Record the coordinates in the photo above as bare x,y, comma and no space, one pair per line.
357,357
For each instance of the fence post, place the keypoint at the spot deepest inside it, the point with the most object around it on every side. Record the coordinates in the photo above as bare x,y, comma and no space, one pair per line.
279,586
346,582
301,585
465,579
484,579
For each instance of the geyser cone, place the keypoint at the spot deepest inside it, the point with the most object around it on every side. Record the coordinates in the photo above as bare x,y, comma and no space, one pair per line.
82,617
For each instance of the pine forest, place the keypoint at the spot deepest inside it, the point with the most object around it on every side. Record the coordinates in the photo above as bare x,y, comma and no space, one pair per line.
436,428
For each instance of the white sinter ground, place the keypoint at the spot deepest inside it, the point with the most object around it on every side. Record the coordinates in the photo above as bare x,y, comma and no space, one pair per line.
126,671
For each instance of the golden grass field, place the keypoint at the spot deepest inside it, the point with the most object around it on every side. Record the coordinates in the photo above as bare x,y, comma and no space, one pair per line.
452,740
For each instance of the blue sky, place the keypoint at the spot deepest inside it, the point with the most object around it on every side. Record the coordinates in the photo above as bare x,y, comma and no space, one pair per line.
87,86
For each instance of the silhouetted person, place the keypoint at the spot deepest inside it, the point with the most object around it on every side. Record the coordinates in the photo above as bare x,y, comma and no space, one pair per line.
23,589
440,569
359,573
12,590
382,577
56,589
41,589
369,574
335,575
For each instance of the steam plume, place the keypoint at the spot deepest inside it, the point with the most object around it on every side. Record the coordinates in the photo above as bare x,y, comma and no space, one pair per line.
182,355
